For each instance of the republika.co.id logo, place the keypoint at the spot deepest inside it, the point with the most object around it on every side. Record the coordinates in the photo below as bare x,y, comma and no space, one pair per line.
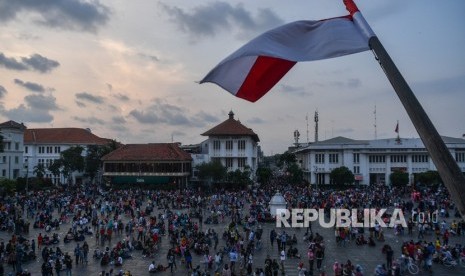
339,218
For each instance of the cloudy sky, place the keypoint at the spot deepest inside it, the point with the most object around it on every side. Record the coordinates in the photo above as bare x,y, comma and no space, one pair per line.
129,70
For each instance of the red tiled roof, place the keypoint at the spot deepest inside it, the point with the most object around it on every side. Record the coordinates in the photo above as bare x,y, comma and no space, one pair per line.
231,127
148,152
12,124
62,136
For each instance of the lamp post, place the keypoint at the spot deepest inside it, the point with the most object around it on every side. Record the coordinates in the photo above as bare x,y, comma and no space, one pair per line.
26,166
315,168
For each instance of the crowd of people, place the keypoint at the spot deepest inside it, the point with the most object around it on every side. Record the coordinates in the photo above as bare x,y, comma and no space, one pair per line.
218,232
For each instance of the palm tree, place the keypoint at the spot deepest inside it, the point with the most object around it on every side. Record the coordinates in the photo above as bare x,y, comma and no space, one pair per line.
39,171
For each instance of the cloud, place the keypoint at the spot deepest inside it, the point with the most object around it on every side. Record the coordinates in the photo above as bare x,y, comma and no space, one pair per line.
35,62
36,109
205,117
2,92
35,87
12,63
41,102
89,120
40,63
149,57
80,104
216,17
350,83
256,120
76,15
121,97
84,96
118,120
164,113
294,90
27,114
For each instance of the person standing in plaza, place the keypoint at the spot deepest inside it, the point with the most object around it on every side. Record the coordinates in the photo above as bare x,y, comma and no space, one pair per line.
40,240
272,237
319,257
311,259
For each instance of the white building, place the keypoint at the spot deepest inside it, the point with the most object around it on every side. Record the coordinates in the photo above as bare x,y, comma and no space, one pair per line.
231,143
371,161
11,159
44,145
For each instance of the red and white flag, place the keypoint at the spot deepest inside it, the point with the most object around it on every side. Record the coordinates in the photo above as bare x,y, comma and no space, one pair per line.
254,69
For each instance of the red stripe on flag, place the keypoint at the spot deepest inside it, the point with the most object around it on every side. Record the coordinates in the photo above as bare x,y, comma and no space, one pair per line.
263,75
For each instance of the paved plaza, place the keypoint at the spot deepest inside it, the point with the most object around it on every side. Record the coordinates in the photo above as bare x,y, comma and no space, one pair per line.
367,257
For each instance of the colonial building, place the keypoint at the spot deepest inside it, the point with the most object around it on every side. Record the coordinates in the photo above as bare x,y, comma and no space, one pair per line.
161,163
231,143
371,161
44,145
11,159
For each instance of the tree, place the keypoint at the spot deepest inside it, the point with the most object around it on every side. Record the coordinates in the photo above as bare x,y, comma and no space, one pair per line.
39,171
55,167
295,173
93,159
264,175
398,178
286,159
429,178
342,176
72,160
212,171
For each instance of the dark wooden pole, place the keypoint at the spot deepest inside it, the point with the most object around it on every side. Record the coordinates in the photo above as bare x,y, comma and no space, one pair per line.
451,175
453,178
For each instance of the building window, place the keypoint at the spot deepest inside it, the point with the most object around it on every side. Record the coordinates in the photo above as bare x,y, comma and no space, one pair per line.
229,163
241,162
241,144
57,149
333,158
16,146
460,156
49,149
4,173
377,159
398,158
320,158
229,145
25,149
41,150
4,160
356,158
216,145
16,159
420,158
357,169
8,145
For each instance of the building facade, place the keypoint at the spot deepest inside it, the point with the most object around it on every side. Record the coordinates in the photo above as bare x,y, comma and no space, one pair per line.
44,146
12,163
153,164
371,161
232,144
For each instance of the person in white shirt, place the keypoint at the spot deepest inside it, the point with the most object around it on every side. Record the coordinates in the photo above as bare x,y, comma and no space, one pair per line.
152,267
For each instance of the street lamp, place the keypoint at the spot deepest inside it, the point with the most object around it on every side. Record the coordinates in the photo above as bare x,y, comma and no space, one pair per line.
26,166
315,168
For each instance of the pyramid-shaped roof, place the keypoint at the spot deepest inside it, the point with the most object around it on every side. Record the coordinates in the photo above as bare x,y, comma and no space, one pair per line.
231,127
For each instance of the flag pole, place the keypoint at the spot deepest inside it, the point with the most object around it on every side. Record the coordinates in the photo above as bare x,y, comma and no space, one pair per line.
448,169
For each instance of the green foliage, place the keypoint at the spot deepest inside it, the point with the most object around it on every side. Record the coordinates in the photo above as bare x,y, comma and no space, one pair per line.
264,175
212,171
342,176
286,159
428,178
240,178
39,170
398,178
7,186
295,173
